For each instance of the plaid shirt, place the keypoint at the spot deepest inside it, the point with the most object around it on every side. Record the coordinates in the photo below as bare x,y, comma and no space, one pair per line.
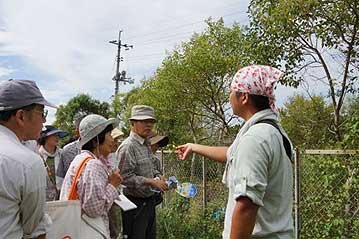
136,165
96,194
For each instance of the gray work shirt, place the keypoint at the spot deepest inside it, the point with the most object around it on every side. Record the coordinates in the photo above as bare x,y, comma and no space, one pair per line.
22,189
136,165
69,152
259,168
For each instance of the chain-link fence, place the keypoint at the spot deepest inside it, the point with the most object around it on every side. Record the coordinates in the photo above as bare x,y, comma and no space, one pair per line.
329,194
326,193
206,175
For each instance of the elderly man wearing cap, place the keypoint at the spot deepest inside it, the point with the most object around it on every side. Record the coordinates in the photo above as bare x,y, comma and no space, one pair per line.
51,155
22,173
258,163
139,175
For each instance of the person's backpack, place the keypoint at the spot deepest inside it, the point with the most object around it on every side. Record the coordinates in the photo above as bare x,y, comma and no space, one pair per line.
286,143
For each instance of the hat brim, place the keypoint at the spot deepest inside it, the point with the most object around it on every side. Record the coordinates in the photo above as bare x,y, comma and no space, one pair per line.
162,141
30,102
46,103
143,117
115,133
59,132
114,136
99,128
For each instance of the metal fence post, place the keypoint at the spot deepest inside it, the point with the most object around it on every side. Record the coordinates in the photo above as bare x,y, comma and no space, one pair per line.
296,194
204,182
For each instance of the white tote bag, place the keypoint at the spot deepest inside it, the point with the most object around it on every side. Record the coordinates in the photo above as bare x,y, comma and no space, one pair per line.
66,219
68,223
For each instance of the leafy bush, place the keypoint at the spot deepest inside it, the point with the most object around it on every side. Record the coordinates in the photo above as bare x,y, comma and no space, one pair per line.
329,197
183,218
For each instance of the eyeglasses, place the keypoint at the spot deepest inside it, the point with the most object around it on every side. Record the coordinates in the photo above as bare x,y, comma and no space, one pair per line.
146,121
43,113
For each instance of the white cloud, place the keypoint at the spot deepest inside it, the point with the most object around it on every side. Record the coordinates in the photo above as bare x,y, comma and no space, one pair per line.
68,40
4,71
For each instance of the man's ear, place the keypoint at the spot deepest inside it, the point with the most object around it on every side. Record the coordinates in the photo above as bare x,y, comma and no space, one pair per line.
20,117
245,98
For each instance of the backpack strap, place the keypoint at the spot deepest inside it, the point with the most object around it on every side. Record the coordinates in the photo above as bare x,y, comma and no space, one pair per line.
73,190
286,143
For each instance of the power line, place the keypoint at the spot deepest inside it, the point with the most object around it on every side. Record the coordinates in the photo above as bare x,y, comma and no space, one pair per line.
147,55
169,37
169,20
166,36
166,30
180,26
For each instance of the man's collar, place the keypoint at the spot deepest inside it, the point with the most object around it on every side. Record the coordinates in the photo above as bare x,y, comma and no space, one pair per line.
9,132
138,138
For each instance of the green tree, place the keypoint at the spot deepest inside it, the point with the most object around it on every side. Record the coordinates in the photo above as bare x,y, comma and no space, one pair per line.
307,121
190,89
81,103
312,39
351,124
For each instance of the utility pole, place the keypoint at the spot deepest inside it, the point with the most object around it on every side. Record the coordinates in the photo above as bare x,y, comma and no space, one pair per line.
120,77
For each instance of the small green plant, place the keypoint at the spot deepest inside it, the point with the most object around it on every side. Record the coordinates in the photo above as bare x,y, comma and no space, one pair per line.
184,218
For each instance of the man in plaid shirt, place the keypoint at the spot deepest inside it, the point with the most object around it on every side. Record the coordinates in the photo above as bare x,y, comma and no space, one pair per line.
140,175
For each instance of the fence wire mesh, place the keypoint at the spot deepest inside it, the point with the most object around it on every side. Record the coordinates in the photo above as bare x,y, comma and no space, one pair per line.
206,175
329,196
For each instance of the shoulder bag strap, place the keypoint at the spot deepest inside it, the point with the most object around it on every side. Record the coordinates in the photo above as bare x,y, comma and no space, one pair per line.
73,190
286,143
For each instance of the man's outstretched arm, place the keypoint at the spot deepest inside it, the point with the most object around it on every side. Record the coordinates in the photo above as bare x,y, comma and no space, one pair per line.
214,153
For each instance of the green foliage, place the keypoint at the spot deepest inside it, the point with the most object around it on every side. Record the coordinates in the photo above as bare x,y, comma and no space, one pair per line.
351,138
329,196
190,90
296,27
351,114
309,41
184,218
307,121
81,103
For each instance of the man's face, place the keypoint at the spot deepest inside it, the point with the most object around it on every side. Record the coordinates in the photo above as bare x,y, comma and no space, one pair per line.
33,122
143,127
238,103
233,99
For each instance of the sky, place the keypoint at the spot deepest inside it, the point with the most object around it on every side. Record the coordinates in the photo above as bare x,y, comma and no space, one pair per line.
64,45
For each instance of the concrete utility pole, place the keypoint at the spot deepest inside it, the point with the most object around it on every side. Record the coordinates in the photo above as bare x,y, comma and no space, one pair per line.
120,76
